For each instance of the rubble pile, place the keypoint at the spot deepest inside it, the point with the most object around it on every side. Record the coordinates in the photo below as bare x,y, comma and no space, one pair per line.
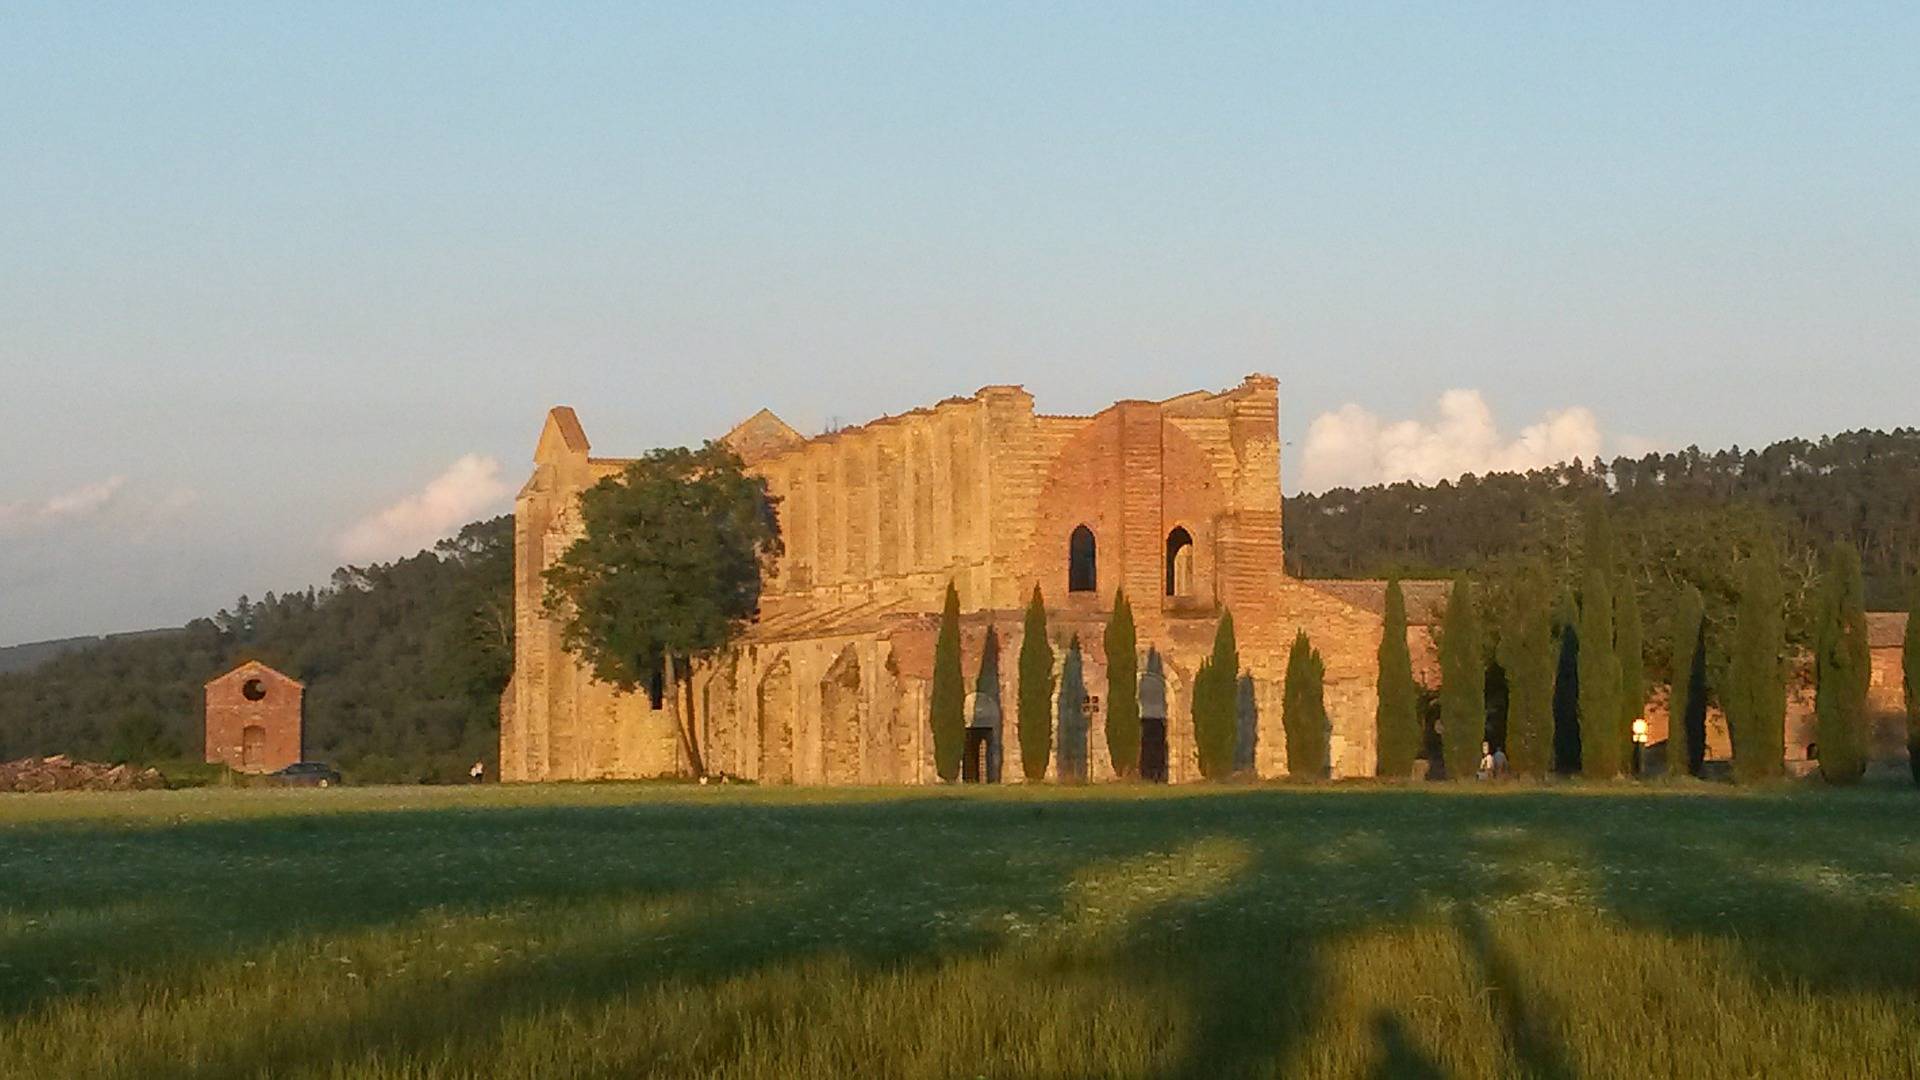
62,773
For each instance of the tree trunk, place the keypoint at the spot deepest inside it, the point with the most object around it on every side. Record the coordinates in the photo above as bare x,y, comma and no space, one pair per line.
683,718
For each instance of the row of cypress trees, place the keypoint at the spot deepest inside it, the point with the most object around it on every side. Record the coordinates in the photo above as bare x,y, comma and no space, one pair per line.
1577,680
1222,707
1575,669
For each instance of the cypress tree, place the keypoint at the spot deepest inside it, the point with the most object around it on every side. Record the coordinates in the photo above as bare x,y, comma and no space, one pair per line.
1566,686
1527,653
1599,681
1629,638
1123,688
1397,716
1910,676
1073,717
1687,707
1463,684
987,686
1756,696
948,712
1304,711
1246,727
1843,667
1035,704
1215,690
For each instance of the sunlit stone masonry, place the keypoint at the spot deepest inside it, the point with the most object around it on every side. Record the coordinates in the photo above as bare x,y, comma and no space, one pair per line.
1177,500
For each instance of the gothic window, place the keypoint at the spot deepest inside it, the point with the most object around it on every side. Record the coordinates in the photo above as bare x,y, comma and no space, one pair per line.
1082,571
1179,562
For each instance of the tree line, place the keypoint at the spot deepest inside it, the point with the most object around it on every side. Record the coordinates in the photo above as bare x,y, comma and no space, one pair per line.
404,664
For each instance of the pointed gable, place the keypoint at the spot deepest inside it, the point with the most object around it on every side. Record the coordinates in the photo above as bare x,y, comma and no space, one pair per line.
254,669
561,437
761,436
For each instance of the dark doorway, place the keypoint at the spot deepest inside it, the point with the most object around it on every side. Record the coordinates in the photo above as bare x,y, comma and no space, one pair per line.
1179,562
1153,749
1083,573
975,766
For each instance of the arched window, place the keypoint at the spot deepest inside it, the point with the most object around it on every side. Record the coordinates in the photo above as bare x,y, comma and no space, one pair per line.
1082,569
1179,562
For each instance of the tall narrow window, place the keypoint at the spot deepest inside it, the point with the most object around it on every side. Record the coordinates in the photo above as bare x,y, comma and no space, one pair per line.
1179,562
1082,570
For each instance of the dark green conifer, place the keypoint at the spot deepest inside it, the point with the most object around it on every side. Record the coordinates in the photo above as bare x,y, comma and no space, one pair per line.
1756,695
1073,717
1123,688
1599,681
1216,703
1843,668
1304,711
1035,707
1528,655
1397,716
948,711
1687,707
1463,685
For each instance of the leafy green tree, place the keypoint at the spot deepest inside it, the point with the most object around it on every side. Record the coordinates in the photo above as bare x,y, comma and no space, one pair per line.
1397,715
1036,691
667,570
1843,667
1123,688
1566,685
1303,711
1215,703
1073,717
1528,655
1599,681
1756,686
947,714
1687,707
1463,684
1629,638
1910,677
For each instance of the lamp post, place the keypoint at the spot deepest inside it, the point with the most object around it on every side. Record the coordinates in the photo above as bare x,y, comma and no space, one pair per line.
1639,743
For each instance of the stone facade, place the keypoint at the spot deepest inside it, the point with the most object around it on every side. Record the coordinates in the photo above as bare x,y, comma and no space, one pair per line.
253,722
1177,501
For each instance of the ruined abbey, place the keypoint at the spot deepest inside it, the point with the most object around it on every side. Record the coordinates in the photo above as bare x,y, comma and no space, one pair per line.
1177,501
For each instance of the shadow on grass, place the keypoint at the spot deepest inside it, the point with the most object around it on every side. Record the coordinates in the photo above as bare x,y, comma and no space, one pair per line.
911,884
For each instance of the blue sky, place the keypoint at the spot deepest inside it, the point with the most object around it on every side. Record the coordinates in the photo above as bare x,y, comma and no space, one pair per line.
285,285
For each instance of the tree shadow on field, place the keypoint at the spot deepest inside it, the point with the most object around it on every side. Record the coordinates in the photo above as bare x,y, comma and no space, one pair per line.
1529,1029
904,884
1400,1059
1797,883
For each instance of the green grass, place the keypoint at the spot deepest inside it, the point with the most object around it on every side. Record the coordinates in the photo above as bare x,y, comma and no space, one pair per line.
626,930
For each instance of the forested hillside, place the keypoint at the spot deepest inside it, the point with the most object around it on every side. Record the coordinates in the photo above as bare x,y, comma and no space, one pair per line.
1680,519
404,663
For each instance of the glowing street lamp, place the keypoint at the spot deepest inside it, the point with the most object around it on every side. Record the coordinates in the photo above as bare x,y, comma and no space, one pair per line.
1639,742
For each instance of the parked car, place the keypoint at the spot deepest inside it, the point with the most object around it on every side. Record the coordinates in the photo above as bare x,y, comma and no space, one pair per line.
306,774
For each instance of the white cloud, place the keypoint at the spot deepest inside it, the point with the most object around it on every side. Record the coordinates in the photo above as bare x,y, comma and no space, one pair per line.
79,503
1352,447
470,488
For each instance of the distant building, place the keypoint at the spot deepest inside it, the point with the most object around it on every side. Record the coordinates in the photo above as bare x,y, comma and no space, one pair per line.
254,719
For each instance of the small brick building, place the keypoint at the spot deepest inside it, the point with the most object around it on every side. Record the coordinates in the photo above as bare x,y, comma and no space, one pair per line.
254,719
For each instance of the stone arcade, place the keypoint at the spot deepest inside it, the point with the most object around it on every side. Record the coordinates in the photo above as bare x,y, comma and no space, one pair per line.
1177,500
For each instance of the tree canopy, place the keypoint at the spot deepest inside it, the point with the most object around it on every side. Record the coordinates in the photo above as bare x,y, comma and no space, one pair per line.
667,568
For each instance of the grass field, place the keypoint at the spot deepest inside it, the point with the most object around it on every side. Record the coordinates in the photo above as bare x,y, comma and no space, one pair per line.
662,930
